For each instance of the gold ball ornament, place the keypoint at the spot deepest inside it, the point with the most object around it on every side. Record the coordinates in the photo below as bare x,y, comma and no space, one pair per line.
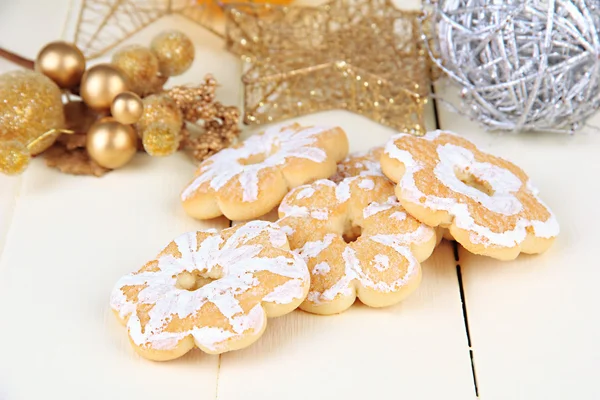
161,139
101,84
140,67
159,108
30,105
62,62
14,157
127,108
110,143
175,52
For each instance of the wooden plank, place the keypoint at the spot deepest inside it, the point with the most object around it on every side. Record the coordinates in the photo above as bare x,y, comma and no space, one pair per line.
71,239
417,349
9,189
534,322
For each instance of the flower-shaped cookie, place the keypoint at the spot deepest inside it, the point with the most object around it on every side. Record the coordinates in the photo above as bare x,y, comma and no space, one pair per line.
249,180
363,163
212,291
357,241
486,202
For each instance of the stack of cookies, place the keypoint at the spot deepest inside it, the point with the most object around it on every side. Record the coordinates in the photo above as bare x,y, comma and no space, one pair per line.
348,227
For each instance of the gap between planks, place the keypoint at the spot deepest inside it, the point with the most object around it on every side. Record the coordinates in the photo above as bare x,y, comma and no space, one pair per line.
458,269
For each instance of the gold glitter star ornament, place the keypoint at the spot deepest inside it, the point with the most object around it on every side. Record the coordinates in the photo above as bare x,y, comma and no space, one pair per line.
363,56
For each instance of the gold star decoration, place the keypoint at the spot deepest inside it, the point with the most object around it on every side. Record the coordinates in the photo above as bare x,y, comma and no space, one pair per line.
363,56
104,24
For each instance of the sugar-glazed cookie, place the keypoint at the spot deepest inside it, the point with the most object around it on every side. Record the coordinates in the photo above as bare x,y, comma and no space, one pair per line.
357,241
486,202
212,291
363,163
250,179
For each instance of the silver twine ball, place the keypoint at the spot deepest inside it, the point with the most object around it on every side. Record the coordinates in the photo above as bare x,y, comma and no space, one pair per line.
523,65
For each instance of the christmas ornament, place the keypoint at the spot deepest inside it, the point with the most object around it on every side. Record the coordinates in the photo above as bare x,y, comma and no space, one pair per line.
31,115
104,24
110,143
140,67
62,62
14,157
363,56
127,108
91,145
160,125
220,124
522,66
100,85
174,51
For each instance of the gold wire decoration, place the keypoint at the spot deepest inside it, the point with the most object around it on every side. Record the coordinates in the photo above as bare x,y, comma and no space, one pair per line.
104,24
363,56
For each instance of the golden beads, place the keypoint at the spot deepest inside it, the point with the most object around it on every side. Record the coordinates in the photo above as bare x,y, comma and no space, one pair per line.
62,62
110,143
101,84
175,52
127,108
30,105
160,125
160,139
140,67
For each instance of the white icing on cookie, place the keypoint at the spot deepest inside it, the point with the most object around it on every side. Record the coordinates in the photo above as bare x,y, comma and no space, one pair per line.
342,191
375,207
232,263
313,249
321,268
502,200
366,184
381,262
277,144
305,192
398,215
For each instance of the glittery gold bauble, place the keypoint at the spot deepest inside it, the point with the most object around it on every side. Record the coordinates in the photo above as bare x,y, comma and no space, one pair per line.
14,157
110,143
30,105
139,65
175,52
62,62
159,108
127,108
101,84
161,139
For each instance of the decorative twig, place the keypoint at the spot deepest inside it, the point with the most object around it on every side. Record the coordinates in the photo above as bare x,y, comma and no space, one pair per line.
16,59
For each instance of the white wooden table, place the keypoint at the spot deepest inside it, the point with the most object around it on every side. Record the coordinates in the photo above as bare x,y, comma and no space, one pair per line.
528,329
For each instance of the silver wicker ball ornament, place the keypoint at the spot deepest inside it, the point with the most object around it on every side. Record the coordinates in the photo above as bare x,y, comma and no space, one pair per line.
523,65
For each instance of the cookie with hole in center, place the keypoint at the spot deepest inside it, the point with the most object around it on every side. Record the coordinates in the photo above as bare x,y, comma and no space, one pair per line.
488,204
249,179
210,290
357,241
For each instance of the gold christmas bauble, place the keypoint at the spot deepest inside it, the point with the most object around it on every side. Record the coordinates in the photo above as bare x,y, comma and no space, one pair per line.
30,105
110,143
62,62
175,52
140,67
161,139
14,157
101,84
127,108
159,108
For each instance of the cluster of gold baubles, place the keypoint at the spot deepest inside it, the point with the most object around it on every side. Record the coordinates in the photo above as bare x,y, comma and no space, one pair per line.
124,94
